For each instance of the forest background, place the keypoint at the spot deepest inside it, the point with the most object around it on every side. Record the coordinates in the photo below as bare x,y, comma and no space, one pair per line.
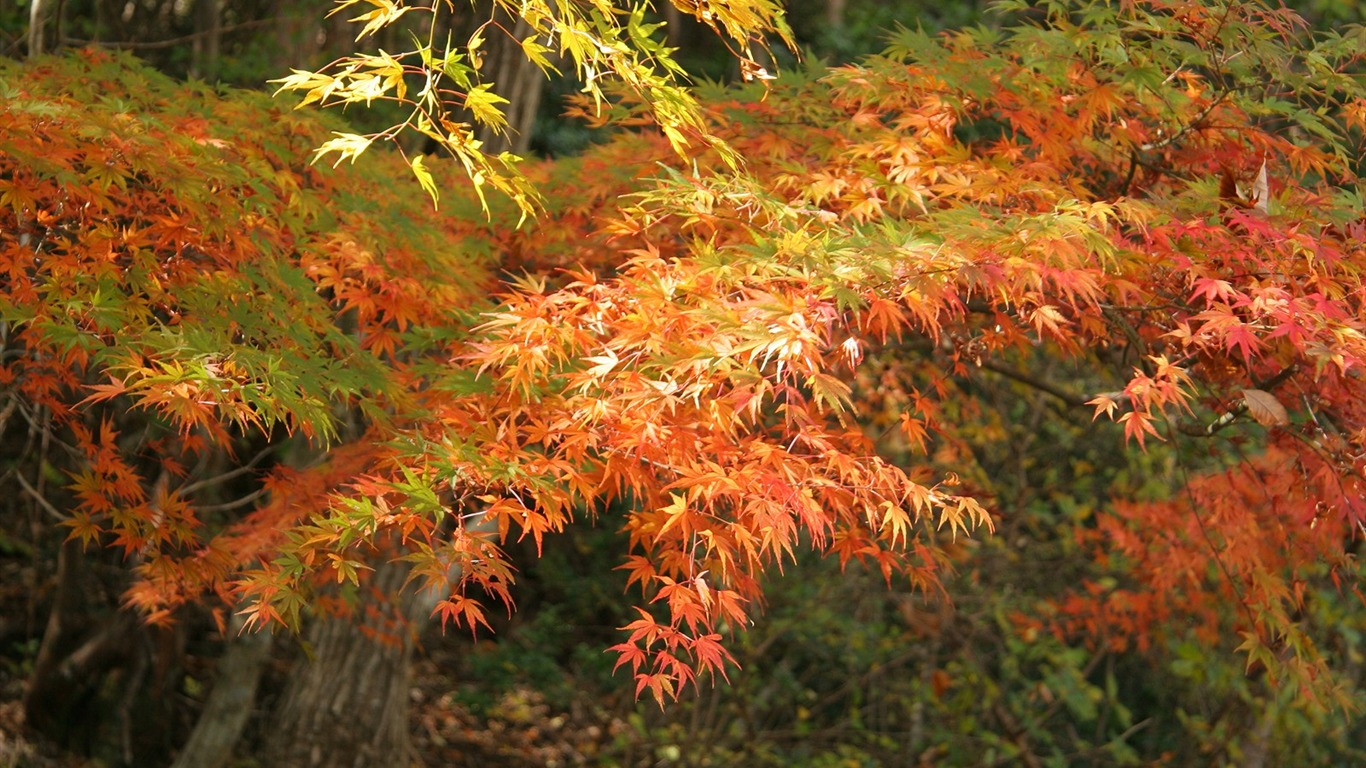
1064,636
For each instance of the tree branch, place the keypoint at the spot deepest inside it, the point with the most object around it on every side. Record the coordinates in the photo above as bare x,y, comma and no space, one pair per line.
38,497
189,488
1071,399
171,42
1232,414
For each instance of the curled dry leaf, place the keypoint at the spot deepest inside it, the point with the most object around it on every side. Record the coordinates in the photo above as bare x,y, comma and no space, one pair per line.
1265,408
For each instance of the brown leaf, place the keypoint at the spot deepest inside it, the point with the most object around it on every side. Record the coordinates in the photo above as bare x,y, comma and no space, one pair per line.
1261,192
1228,187
1265,408
1255,199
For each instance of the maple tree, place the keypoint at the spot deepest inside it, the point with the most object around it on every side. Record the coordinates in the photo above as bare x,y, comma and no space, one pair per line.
1148,213
192,315
1050,190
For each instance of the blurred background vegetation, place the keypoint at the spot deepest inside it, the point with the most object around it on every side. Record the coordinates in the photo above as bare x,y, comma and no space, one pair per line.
842,670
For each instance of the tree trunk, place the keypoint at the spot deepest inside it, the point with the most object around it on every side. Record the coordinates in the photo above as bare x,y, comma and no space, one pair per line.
1258,746
208,34
673,26
231,701
834,13
346,705
48,696
516,79
68,701
38,14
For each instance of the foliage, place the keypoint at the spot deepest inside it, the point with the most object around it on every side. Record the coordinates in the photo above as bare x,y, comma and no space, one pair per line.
1145,213
988,199
182,291
600,41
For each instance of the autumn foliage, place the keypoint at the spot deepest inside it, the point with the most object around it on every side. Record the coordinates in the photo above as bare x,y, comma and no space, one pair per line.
184,292
729,365
964,204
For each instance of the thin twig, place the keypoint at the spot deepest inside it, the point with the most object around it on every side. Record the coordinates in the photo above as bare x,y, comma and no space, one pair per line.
172,41
1187,128
228,506
38,497
1070,398
199,485
1232,414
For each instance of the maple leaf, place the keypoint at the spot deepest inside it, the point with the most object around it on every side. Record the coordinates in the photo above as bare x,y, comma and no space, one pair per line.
1106,403
459,609
1241,337
1014,197
1137,426
602,364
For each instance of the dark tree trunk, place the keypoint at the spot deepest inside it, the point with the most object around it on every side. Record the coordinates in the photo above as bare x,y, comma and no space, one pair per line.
208,35
99,672
673,26
48,698
516,79
68,701
346,704
834,13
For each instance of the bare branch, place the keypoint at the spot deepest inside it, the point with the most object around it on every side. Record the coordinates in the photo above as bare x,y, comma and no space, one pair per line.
1069,398
38,497
199,485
